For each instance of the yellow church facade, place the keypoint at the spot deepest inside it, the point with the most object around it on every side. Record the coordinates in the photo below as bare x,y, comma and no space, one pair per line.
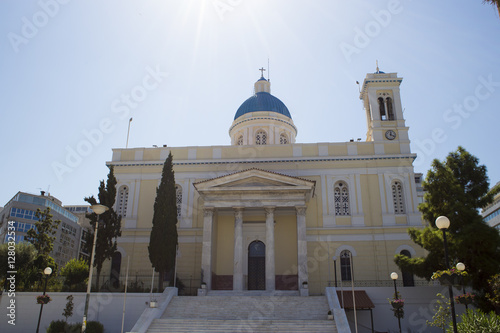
268,213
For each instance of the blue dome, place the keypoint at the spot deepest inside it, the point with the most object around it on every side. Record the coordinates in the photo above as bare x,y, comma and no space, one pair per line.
262,101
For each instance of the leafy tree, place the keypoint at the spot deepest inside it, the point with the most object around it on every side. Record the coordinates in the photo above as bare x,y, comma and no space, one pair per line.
495,3
476,321
68,310
109,224
456,188
75,272
163,240
42,237
442,312
25,256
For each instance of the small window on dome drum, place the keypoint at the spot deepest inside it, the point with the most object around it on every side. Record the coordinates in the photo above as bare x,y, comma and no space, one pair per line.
283,139
261,138
239,142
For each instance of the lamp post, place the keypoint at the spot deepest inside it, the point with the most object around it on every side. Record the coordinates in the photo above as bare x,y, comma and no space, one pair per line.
98,209
335,269
394,277
461,267
47,271
443,223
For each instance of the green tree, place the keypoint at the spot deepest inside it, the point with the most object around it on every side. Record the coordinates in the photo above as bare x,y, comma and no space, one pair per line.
163,239
495,3
473,321
442,313
42,237
109,224
75,272
68,310
456,188
25,256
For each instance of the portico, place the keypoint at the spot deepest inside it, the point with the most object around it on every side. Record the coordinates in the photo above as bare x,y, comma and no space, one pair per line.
256,203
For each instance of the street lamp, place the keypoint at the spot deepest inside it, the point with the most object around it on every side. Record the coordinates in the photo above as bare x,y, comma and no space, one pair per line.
335,269
443,223
47,271
98,209
394,277
461,267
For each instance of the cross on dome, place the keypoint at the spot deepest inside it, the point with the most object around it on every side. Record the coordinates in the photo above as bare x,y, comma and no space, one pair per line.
262,70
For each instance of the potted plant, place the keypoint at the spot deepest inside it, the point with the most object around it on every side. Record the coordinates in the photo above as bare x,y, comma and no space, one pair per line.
43,299
464,299
305,285
449,276
330,315
203,285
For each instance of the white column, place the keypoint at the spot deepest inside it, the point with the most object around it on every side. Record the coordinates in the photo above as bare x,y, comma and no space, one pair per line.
270,271
238,249
206,254
301,244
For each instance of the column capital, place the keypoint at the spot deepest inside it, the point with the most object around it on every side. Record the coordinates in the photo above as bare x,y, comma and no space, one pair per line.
301,210
269,209
238,212
208,211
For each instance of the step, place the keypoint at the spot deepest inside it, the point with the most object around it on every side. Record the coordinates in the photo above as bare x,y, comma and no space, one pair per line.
223,326
247,307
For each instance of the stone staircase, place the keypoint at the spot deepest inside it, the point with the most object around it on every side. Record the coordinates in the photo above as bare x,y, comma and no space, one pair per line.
278,313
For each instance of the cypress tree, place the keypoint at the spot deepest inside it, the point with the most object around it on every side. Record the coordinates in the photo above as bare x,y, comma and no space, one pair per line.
163,240
109,224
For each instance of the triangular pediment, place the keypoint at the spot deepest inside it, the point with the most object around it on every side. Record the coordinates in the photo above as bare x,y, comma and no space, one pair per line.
254,178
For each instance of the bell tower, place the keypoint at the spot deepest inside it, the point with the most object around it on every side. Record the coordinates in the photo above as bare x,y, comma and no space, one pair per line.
384,112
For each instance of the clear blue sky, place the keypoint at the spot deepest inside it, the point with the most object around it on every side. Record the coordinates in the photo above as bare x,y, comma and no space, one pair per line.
65,68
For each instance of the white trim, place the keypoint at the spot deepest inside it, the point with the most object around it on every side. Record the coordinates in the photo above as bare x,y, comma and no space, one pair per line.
408,248
344,248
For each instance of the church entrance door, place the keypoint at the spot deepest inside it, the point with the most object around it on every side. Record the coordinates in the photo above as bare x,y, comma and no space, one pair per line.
257,266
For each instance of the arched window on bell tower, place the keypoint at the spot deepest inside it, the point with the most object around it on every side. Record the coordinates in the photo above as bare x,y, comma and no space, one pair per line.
381,107
398,197
122,203
390,110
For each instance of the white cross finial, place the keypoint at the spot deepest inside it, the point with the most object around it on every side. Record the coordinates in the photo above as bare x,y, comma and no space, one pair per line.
262,71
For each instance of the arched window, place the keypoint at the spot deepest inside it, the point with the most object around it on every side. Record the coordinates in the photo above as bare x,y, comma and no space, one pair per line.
283,139
345,265
178,200
407,276
381,106
239,142
261,138
390,112
398,197
341,199
122,201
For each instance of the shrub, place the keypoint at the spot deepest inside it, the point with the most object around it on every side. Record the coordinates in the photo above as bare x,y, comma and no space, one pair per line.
57,326
477,321
92,327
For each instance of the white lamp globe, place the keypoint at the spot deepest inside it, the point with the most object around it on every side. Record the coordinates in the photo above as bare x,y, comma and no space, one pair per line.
461,266
98,209
394,275
47,271
442,222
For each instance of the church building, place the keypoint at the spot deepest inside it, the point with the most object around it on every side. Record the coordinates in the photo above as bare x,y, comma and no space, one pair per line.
269,213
